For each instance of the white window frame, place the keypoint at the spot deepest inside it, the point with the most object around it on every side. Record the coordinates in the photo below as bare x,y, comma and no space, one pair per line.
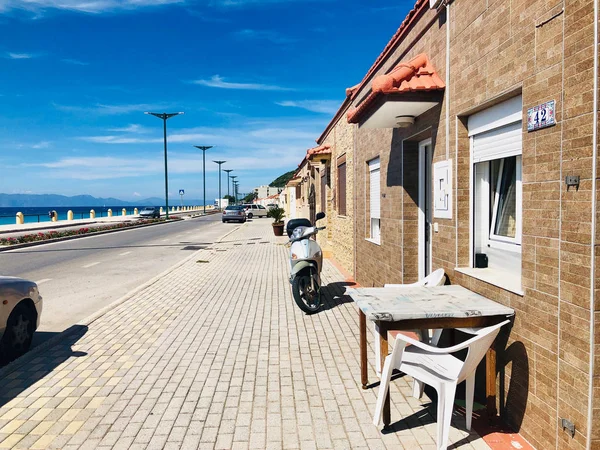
496,240
374,222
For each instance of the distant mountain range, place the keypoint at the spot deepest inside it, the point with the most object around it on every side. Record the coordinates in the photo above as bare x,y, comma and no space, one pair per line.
35,200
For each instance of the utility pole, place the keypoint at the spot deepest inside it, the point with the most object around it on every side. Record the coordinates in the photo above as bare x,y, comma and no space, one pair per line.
204,148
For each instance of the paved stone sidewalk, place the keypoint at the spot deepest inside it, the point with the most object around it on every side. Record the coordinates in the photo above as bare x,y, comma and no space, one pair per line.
213,355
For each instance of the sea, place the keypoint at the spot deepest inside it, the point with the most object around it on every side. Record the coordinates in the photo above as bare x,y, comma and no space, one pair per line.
40,214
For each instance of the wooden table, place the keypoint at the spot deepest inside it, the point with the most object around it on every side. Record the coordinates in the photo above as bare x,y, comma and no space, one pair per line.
417,308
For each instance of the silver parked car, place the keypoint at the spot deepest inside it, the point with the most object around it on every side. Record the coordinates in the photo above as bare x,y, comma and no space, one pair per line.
255,210
20,311
234,212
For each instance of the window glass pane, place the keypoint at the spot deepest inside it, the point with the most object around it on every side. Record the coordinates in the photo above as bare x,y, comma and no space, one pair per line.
506,208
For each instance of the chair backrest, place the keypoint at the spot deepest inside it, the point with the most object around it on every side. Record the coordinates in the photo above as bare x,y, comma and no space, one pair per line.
435,278
478,347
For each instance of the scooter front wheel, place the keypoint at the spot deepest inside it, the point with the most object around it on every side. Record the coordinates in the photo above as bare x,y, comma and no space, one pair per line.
306,297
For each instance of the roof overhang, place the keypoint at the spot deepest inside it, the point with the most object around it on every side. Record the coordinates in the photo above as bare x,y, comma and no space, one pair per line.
396,98
294,181
387,110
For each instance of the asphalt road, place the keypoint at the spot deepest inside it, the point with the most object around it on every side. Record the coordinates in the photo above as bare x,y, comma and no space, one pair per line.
79,277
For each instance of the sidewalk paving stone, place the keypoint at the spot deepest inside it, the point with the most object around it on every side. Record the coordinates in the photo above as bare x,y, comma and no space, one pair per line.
216,355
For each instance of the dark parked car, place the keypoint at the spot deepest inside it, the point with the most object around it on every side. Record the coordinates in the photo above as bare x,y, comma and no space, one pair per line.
150,212
20,313
234,212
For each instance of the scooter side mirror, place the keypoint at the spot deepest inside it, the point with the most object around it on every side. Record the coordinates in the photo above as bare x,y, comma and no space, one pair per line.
320,216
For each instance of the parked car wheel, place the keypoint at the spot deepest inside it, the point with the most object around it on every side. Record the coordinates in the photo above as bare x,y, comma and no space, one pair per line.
249,215
18,334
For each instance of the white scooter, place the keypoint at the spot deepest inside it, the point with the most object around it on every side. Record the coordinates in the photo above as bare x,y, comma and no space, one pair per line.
306,261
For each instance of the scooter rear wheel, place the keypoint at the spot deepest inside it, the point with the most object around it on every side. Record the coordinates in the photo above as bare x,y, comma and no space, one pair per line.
307,299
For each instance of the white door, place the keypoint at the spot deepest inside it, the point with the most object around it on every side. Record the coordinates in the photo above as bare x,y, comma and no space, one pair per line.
292,203
424,208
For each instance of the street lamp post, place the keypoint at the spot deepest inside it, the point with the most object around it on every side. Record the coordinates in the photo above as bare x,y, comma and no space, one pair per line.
219,163
204,148
165,117
235,190
233,177
227,170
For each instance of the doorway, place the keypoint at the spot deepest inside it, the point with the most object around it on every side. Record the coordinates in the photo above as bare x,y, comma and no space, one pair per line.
424,208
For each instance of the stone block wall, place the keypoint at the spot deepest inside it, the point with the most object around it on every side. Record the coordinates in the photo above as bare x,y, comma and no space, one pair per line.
339,236
541,50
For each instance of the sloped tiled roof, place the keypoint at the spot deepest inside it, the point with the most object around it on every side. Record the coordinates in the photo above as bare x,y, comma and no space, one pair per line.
417,75
419,5
351,92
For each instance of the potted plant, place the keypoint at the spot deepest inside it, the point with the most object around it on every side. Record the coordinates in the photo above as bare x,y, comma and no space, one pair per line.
277,214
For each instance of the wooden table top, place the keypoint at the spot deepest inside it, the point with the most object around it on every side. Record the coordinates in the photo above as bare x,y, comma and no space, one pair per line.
394,304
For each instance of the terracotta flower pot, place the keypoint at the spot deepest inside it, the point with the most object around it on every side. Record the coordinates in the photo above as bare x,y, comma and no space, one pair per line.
278,229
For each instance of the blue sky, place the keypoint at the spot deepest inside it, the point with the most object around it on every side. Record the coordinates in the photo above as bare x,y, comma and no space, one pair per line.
257,79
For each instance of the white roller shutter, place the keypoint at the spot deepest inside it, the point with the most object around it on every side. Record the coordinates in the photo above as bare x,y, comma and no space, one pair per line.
498,143
375,188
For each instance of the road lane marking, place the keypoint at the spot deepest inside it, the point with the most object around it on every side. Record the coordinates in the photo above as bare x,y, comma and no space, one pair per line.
123,254
42,281
87,266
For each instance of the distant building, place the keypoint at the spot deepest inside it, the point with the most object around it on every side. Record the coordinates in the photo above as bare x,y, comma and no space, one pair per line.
266,191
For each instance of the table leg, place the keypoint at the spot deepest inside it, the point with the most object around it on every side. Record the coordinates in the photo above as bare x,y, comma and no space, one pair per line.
362,321
383,352
490,365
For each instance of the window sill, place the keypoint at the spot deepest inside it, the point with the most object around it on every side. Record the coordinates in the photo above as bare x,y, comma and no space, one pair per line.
373,241
496,277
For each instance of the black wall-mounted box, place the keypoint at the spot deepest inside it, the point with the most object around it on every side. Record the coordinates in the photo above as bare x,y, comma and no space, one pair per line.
481,260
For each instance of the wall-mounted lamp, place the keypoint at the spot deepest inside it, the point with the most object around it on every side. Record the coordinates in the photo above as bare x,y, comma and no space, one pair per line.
404,121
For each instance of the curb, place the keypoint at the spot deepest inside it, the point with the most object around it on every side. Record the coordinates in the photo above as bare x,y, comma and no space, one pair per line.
33,353
77,236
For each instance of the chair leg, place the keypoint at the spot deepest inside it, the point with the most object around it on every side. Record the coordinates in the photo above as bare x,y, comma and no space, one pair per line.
418,388
384,387
448,392
470,391
377,349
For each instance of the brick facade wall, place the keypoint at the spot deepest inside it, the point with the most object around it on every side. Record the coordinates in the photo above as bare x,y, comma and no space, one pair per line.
339,236
541,50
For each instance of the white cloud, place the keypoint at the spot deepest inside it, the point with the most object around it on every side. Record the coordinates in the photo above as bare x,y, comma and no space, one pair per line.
40,145
111,110
75,62
319,106
137,194
264,35
217,81
249,147
133,128
13,55
84,6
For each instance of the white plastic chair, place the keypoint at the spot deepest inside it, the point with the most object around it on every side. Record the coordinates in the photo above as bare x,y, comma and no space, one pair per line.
438,368
435,278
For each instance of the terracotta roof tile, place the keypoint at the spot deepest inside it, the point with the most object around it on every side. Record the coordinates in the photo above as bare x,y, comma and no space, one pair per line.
320,150
351,92
419,5
417,75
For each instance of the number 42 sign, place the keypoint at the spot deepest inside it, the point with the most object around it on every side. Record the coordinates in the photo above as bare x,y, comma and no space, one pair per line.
541,116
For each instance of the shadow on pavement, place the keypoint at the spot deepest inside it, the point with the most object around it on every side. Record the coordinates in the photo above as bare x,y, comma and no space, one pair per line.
332,294
31,368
